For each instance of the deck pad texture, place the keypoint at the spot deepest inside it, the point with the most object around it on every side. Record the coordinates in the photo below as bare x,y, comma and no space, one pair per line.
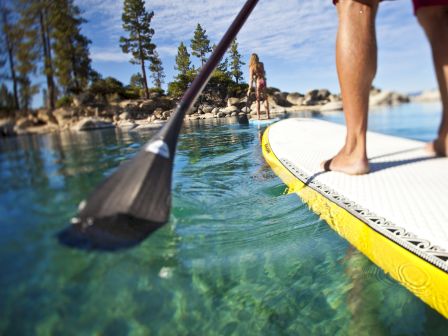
407,186
397,215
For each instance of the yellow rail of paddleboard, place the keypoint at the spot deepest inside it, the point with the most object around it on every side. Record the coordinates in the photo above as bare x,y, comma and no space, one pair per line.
423,279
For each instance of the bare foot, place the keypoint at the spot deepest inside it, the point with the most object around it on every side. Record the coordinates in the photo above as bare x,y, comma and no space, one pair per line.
438,147
348,164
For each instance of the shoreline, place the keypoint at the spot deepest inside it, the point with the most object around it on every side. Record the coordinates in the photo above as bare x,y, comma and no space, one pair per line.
153,113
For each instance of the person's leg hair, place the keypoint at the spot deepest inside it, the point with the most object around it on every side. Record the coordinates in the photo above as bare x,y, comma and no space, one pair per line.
356,62
434,20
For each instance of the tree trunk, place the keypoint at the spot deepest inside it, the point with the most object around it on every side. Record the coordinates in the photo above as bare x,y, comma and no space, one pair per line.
145,80
47,62
50,59
11,61
142,62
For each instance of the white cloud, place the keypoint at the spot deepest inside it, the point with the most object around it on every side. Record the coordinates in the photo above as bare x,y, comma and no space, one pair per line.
286,29
296,36
108,55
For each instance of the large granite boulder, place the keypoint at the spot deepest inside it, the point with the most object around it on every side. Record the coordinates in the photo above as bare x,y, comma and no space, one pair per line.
427,96
280,99
388,98
64,114
323,94
233,101
295,98
148,106
87,124
332,106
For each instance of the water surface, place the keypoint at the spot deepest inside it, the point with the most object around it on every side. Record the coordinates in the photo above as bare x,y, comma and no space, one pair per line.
239,255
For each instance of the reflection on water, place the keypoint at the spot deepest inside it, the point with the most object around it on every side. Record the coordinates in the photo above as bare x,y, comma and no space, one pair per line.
239,256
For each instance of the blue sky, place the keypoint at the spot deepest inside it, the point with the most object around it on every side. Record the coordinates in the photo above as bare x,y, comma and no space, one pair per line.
295,40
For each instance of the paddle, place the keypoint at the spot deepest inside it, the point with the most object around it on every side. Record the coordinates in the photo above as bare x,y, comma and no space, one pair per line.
136,199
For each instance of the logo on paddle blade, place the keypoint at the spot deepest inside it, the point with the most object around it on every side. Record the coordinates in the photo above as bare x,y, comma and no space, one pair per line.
159,147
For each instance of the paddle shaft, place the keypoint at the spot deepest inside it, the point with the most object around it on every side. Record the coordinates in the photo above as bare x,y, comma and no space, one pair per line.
170,132
136,199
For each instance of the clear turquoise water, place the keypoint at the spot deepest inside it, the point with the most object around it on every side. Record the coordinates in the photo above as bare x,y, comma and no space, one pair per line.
238,257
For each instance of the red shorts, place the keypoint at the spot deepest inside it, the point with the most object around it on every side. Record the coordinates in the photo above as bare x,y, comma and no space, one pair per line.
421,3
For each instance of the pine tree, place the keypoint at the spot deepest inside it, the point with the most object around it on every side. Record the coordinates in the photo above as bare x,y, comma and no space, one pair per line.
27,56
71,48
183,62
200,44
136,81
6,99
9,42
157,71
136,22
224,65
235,62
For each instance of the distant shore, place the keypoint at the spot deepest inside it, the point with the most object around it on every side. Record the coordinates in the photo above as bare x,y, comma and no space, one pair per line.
88,113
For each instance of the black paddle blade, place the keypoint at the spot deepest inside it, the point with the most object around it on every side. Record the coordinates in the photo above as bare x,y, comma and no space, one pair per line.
136,199
109,234
129,205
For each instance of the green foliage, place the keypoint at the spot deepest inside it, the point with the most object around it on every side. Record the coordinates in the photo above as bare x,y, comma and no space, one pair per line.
157,90
237,90
235,62
9,41
177,87
136,81
107,86
94,76
157,72
183,62
64,101
71,48
130,93
6,100
200,44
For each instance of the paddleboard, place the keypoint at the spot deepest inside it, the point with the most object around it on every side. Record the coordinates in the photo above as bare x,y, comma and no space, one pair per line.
255,121
397,215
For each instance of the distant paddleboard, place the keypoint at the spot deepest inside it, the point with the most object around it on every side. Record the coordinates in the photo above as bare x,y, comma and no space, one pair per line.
396,215
255,121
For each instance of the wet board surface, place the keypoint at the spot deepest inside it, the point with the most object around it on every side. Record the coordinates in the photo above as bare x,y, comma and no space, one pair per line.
397,215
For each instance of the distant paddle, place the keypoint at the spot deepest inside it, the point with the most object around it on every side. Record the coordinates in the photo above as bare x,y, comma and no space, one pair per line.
136,199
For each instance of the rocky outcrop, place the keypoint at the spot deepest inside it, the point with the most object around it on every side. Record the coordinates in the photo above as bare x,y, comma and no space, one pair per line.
331,106
427,96
387,98
295,98
88,124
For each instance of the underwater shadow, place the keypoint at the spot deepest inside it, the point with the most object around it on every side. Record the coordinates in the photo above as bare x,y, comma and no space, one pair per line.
110,234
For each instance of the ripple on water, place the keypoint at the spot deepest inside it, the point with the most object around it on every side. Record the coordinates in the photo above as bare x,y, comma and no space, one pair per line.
238,256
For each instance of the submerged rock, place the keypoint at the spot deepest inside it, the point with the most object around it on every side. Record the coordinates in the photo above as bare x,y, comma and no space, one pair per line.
7,127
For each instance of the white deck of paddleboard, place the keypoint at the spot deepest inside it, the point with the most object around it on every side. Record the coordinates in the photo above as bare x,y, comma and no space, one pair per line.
407,186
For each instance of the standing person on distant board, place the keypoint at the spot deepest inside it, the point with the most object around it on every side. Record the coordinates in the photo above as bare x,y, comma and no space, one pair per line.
257,75
356,63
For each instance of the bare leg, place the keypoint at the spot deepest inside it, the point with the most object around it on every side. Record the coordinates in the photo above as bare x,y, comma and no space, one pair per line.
258,100
434,20
266,103
356,62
